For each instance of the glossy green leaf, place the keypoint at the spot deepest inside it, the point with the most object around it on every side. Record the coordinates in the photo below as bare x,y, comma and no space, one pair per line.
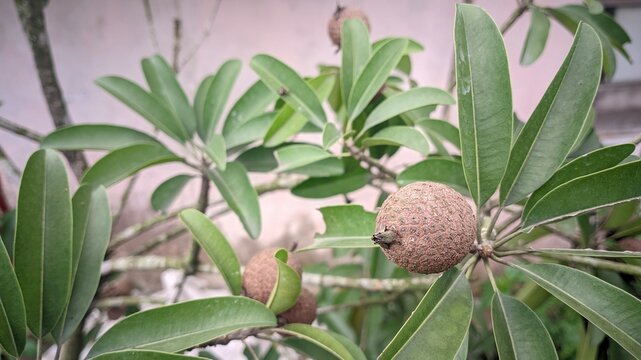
163,83
124,162
518,331
332,166
147,105
355,51
442,170
461,354
587,164
374,75
323,187
287,286
442,130
550,133
593,191
216,98
143,355
167,192
321,338
439,323
249,106
91,234
216,150
330,135
258,159
537,36
402,102
298,155
413,46
43,244
615,312
281,79
209,237
621,214
95,137
13,326
180,326
8,230
346,226
252,130
400,136
237,190
484,100
314,351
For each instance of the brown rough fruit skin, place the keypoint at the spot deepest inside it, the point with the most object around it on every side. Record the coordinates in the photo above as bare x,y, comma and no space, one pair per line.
260,274
433,227
303,312
630,244
342,14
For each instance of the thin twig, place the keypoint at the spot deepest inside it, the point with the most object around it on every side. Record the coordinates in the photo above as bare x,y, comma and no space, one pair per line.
149,16
597,263
490,275
19,130
636,140
176,49
360,303
251,350
360,156
490,227
125,198
204,36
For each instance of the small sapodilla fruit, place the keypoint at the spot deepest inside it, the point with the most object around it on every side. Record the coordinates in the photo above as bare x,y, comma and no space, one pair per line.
261,272
341,14
630,244
425,227
303,312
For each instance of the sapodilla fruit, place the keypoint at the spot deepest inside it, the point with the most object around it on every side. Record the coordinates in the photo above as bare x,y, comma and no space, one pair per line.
303,312
260,274
336,22
425,227
630,244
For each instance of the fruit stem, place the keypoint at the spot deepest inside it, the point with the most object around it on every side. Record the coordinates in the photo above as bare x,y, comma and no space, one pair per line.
490,275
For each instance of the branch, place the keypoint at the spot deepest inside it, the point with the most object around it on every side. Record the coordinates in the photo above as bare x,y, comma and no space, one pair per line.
360,156
19,130
597,263
360,303
149,16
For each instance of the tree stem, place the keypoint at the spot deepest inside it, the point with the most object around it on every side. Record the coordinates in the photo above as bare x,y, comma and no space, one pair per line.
19,130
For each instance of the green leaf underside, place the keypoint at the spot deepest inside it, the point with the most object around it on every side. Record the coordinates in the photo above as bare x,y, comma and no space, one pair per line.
597,160
143,355
43,244
280,77
518,331
240,195
589,192
209,237
322,187
295,156
484,100
442,129
217,151
95,137
549,135
124,162
413,46
252,130
314,351
217,95
287,287
400,136
319,337
589,252
176,327
442,170
250,105
537,36
330,135
355,50
439,323
167,192
346,226
13,327
615,312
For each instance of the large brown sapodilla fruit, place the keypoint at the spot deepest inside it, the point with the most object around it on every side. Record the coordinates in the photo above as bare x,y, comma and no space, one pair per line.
336,22
303,312
261,272
425,227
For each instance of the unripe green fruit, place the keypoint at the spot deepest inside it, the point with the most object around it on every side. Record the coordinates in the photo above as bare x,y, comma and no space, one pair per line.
261,272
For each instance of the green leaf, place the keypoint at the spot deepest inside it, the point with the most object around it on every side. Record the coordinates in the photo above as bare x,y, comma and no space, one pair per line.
374,75
94,137
217,151
91,234
209,237
537,36
311,348
43,244
330,135
8,230
249,106
281,79
589,252
145,104
355,53
124,162
461,354
237,190
323,187
346,226
442,130
258,159
590,163
400,136
163,83
484,100
402,102
442,170
167,192
614,311
518,331
298,155
252,130
332,166
287,286
143,355
550,133
586,128
621,214
594,6
13,327
180,326
216,99
589,192
439,323
324,339
413,46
